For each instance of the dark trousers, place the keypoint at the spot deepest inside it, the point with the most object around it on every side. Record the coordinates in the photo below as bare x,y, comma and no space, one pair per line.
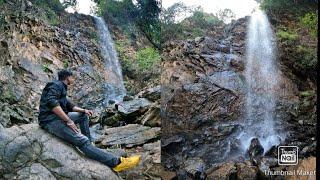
81,140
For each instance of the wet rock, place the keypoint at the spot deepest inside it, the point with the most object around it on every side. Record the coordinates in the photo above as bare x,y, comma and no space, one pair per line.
266,164
29,152
235,146
128,98
237,64
255,149
129,135
195,168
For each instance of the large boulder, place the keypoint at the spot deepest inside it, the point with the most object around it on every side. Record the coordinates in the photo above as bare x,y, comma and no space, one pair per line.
129,135
151,94
28,152
134,107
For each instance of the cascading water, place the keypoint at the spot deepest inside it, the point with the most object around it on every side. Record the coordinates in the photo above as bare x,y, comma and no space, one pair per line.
261,75
114,87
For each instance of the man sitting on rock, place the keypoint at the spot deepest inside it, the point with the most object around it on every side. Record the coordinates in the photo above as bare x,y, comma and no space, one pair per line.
58,116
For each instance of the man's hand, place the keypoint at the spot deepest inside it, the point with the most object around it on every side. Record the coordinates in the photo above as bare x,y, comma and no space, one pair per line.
88,112
58,111
71,124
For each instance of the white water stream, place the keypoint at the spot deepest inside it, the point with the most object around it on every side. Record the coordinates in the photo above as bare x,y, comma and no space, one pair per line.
262,79
115,89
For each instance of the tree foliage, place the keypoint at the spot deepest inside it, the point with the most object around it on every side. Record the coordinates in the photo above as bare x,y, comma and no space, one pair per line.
143,14
310,20
281,7
197,22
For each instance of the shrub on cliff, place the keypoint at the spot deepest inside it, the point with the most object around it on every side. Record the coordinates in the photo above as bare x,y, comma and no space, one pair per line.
310,21
146,58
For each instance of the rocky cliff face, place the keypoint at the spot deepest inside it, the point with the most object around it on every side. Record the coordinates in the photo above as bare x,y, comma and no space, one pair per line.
203,90
32,50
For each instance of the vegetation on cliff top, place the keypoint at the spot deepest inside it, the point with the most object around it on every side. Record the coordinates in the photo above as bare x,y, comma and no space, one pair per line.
296,25
198,23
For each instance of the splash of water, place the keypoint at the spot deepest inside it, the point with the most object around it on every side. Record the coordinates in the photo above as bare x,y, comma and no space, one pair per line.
262,80
114,88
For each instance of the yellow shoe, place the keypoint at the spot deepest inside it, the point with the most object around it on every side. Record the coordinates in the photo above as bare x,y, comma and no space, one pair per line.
127,163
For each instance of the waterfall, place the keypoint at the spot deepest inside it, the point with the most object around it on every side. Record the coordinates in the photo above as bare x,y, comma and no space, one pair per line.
262,76
114,87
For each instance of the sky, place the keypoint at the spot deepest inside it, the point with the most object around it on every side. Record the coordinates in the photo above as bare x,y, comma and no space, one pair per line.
240,8
83,6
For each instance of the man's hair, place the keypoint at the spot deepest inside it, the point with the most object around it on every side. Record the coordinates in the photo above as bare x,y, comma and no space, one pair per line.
64,74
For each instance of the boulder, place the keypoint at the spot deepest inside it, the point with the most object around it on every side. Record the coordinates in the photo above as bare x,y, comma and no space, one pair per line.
151,94
246,171
195,168
133,107
28,152
223,171
255,149
129,135
151,117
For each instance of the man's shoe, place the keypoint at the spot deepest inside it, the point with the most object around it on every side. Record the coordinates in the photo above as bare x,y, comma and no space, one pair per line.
127,163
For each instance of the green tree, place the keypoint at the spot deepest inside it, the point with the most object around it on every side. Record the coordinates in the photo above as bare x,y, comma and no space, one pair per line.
143,14
281,7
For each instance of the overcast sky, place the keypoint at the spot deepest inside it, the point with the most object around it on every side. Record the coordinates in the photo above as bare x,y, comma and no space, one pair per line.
83,6
240,8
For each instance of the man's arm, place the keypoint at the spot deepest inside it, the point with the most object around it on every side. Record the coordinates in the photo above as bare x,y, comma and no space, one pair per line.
78,109
52,101
59,112
74,108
